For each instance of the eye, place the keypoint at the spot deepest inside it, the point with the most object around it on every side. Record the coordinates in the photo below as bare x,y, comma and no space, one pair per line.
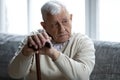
55,25
65,21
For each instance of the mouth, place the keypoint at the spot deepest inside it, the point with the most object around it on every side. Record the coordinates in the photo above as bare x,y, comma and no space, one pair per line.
60,35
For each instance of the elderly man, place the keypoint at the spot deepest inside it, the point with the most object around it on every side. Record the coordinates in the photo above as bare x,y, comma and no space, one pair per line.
71,56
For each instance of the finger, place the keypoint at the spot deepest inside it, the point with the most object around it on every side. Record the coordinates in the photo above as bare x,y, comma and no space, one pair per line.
31,43
37,52
40,52
37,41
45,35
42,38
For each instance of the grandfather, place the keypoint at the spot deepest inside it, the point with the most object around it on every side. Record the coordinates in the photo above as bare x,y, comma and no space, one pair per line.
71,56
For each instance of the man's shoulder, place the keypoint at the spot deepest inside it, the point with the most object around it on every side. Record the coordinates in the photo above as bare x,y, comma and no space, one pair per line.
80,37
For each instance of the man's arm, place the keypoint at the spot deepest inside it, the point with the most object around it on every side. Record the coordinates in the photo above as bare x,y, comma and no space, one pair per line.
35,43
20,64
81,65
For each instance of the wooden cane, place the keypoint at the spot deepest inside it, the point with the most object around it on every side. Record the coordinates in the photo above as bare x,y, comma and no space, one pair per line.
37,57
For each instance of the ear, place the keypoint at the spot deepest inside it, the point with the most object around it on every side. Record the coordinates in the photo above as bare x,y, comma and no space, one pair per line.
43,25
71,17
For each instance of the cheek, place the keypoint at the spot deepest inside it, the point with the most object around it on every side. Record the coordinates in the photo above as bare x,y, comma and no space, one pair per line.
68,29
52,33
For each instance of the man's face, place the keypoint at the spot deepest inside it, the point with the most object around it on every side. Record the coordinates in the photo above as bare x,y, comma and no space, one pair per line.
58,26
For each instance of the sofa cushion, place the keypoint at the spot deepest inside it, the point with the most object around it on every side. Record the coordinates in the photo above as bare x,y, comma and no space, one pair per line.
8,46
107,61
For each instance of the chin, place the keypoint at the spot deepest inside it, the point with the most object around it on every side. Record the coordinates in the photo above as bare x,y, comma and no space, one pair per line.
62,40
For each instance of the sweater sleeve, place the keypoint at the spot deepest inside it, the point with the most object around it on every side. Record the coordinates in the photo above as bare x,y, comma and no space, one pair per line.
81,65
19,65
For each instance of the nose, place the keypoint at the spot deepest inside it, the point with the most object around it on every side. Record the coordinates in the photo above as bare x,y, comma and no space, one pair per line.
61,27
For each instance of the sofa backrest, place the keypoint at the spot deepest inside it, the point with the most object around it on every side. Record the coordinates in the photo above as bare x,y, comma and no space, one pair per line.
107,61
8,46
107,57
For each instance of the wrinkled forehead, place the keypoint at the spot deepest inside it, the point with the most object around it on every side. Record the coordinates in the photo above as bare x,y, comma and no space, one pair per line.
62,14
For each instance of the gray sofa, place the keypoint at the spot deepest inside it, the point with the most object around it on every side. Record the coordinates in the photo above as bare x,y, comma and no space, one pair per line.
107,57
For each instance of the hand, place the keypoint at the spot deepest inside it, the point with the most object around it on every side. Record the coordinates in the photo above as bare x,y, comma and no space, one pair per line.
35,42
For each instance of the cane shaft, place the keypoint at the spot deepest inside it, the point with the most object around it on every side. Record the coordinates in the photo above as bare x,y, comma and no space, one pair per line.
38,66
37,57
